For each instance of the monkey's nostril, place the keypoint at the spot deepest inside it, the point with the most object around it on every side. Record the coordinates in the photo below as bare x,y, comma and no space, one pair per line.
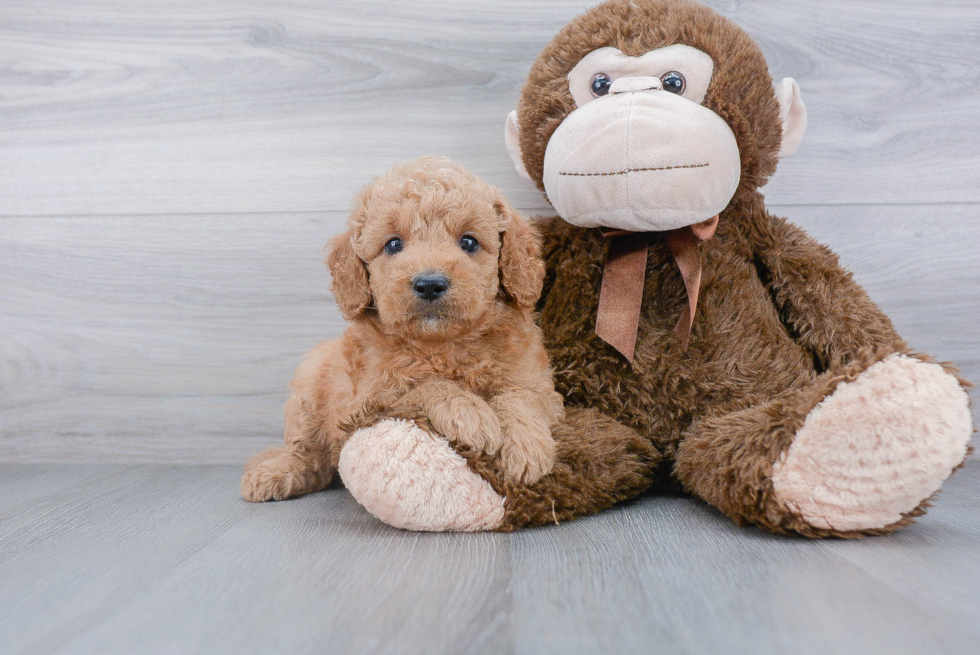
430,287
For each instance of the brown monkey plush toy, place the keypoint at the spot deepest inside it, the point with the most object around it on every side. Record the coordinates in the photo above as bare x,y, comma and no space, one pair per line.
700,343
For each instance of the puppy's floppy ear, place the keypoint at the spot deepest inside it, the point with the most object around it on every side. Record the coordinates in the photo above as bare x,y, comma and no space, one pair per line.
350,276
521,268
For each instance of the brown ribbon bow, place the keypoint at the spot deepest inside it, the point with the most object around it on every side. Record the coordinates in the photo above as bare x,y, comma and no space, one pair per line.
621,295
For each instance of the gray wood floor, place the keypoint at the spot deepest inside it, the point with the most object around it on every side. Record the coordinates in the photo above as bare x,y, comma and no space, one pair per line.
169,173
167,559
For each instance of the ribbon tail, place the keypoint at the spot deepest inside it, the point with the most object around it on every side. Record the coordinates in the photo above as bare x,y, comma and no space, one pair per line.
684,244
621,295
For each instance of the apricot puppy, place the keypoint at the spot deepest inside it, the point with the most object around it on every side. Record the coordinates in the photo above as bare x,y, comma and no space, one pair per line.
438,277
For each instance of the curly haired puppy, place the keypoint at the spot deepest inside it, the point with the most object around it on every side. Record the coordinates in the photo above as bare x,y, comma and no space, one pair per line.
438,276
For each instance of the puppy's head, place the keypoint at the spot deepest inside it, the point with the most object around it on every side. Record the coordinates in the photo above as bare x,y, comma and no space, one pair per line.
432,247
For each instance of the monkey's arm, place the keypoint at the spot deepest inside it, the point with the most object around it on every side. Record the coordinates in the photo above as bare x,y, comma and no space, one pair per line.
818,300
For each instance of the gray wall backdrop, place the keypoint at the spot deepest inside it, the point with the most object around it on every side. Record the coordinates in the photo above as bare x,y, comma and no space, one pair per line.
170,171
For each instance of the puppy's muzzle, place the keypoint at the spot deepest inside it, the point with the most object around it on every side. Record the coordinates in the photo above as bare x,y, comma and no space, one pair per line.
430,286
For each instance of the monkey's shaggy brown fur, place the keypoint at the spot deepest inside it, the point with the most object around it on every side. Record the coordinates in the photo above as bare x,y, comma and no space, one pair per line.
780,324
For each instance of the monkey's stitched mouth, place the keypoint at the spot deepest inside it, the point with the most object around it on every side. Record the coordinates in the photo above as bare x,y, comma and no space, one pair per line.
636,170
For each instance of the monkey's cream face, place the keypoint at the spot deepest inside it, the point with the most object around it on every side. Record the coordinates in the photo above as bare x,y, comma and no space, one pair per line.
640,152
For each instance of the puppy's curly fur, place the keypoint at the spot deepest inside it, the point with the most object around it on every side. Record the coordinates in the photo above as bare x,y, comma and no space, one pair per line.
471,360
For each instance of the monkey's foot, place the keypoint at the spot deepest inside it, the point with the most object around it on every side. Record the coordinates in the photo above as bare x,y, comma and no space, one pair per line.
413,480
876,448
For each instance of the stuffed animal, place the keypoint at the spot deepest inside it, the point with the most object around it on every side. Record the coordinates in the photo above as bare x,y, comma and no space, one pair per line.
700,343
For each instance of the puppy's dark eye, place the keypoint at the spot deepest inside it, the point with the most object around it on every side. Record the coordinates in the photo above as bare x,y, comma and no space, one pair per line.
600,84
394,246
469,244
674,82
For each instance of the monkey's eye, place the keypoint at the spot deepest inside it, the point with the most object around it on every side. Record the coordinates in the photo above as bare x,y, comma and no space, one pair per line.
394,246
469,244
600,84
674,82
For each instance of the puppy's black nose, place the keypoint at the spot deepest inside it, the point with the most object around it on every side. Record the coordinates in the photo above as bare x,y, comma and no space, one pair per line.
430,286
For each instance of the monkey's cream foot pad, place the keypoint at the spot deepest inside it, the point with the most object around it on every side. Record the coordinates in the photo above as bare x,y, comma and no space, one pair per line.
877,447
413,480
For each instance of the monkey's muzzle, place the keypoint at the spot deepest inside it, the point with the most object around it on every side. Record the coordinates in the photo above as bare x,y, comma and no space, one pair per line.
643,160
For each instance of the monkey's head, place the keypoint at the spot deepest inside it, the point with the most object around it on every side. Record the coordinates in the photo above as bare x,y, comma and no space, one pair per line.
650,115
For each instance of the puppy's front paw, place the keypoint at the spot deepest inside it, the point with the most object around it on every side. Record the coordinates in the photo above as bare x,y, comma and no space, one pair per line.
469,420
527,454
277,475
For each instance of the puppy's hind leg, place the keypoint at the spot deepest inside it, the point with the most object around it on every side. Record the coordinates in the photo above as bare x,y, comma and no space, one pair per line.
301,467
278,474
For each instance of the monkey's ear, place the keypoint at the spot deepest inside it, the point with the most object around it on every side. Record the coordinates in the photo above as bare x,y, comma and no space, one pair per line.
521,268
512,139
349,275
792,114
